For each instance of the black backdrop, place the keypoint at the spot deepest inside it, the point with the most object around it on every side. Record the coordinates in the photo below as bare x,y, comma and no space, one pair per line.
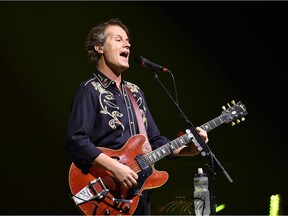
217,51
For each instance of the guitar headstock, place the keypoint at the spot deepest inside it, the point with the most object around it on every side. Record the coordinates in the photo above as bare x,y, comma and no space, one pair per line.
235,111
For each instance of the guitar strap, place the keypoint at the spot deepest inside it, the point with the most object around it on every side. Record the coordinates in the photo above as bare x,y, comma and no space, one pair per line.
142,130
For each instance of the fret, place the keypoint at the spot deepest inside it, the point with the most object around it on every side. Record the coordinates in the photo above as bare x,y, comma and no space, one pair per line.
174,143
167,149
155,156
172,147
221,122
163,151
150,158
212,124
218,121
186,138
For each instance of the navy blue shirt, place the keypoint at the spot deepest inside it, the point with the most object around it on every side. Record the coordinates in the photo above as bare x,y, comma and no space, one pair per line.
101,116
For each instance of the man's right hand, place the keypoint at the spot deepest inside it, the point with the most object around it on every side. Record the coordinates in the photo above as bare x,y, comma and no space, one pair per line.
124,174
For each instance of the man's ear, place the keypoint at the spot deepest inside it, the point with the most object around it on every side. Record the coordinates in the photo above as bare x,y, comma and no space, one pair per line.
98,48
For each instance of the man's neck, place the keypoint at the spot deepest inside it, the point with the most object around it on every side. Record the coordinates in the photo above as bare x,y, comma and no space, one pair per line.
117,78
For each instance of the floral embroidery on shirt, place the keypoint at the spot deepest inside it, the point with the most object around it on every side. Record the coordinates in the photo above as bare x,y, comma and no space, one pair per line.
106,99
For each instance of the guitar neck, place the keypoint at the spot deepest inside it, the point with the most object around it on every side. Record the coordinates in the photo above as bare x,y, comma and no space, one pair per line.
208,126
167,149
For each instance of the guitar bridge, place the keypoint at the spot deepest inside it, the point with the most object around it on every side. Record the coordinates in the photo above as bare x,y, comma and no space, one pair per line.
90,192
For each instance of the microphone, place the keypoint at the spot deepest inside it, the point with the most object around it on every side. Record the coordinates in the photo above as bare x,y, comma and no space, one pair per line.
146,63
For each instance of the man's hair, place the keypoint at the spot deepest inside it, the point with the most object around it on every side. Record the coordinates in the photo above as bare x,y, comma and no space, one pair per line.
96,37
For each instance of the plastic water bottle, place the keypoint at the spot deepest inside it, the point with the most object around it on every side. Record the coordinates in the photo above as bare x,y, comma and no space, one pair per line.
201,194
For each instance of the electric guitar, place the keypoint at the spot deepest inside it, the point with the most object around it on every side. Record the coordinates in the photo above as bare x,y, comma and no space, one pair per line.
99,193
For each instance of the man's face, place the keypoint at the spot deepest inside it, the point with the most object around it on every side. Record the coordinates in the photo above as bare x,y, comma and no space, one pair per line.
116,49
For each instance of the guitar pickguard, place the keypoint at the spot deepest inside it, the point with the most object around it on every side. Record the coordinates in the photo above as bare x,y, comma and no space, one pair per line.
145,172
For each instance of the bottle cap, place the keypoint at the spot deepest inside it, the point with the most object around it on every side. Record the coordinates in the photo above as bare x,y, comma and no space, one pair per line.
200,170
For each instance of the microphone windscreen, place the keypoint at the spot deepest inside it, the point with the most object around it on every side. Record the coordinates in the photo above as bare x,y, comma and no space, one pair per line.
138,59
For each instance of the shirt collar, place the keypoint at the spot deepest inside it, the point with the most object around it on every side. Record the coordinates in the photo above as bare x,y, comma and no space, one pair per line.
105,81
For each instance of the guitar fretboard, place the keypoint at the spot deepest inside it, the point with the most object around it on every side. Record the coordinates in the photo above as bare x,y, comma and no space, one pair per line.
208,126
167,149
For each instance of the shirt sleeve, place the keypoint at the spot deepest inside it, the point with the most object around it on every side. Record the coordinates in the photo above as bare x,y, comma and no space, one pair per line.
80,124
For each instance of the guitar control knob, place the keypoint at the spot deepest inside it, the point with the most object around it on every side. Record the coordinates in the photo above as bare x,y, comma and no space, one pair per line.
116,202
107,212
127,208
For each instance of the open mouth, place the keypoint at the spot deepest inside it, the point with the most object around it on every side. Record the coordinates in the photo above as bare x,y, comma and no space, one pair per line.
124,54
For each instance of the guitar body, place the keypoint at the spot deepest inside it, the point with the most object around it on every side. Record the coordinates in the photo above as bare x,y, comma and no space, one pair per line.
110,197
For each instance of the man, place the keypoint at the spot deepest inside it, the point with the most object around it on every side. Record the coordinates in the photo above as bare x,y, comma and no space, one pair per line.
102,114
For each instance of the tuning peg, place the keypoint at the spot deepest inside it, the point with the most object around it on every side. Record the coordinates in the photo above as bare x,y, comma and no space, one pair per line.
233,102
238,121
228,105
223,107
243,119
232,123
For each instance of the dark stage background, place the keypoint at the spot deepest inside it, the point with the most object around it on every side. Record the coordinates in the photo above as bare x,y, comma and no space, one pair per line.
217,51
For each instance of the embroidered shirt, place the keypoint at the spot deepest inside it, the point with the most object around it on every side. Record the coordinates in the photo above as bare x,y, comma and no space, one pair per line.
101,116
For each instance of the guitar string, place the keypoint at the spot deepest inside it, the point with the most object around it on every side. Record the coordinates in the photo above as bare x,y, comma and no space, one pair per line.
135,166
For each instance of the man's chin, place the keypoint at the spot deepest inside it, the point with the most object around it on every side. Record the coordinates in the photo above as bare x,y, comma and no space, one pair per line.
124,67
121,69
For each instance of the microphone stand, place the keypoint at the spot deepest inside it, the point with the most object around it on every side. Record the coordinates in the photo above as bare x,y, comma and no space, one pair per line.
205,149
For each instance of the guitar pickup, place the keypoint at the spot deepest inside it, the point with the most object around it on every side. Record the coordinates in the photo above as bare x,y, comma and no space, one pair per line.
90,192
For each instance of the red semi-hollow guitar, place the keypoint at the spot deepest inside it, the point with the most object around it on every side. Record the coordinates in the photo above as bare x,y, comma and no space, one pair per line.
99,193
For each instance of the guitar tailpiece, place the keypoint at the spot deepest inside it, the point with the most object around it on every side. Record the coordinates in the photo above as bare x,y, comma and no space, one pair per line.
90,192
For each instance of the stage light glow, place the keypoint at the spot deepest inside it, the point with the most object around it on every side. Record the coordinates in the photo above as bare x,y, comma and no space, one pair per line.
274,205
220,207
